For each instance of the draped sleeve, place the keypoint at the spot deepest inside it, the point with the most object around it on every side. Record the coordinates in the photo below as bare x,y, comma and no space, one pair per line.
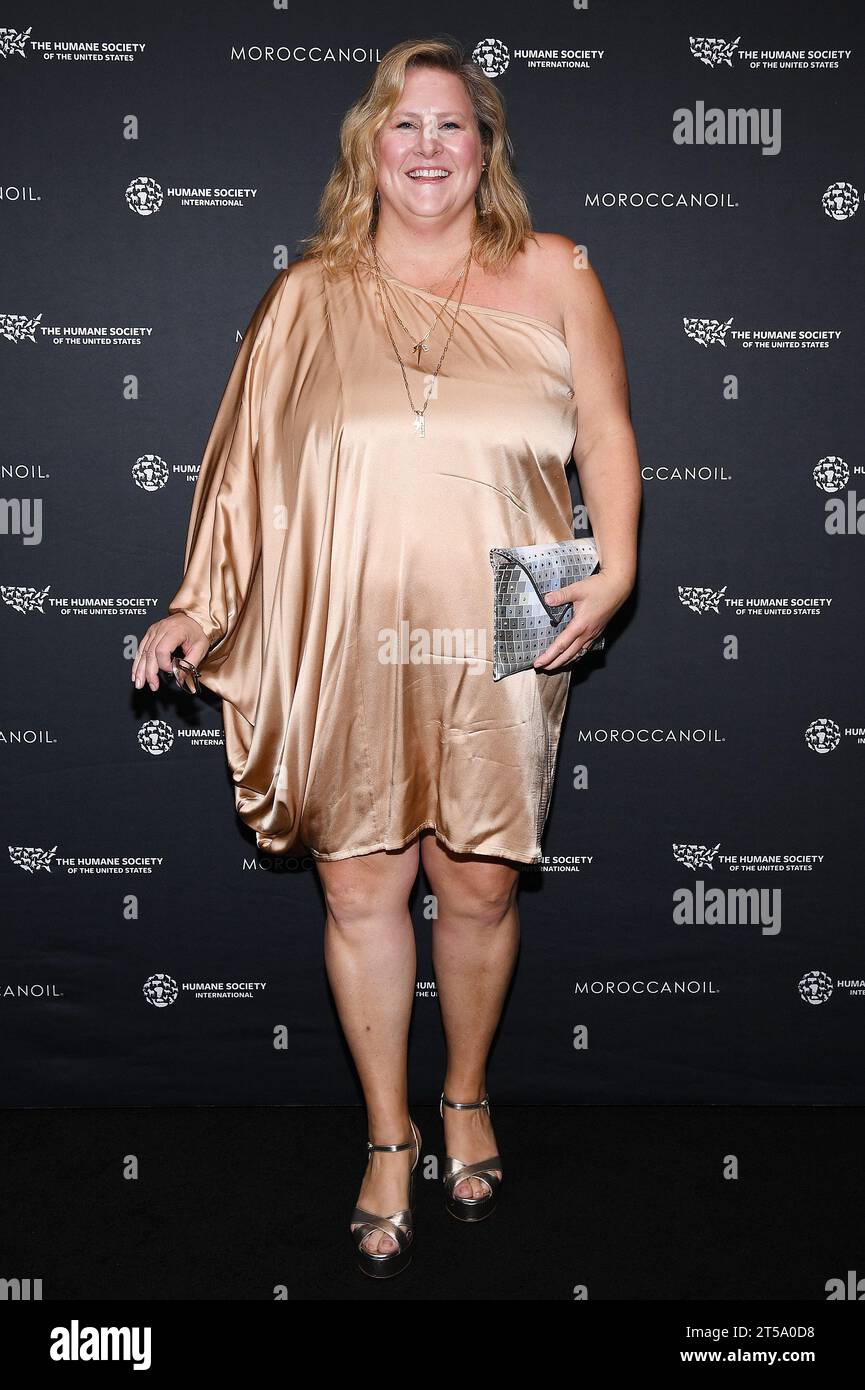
223,543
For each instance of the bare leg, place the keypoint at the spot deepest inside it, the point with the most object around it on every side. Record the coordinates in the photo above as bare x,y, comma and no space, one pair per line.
474,948
371,963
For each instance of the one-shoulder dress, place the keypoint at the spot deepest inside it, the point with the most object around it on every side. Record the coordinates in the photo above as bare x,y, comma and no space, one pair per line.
338,562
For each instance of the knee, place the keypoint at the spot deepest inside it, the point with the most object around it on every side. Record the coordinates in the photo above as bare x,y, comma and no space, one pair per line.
359,903
484,904
348,902
369,889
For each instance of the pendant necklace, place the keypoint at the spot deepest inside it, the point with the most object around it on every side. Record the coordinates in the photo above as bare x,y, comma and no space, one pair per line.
422,345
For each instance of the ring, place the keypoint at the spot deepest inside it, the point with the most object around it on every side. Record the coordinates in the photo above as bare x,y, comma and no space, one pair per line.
188,668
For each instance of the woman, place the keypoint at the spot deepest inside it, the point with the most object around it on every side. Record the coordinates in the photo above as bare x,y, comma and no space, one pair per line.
405,398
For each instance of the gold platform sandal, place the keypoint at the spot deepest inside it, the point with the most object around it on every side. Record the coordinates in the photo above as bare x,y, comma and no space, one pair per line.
399,1225
470,1208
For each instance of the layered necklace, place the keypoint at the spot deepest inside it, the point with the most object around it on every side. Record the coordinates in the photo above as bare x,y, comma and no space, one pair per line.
422,344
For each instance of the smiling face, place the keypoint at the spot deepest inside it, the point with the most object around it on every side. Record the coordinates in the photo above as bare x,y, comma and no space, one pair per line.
429,148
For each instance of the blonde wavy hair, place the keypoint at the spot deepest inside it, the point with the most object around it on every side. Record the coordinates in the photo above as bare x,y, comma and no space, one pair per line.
348,211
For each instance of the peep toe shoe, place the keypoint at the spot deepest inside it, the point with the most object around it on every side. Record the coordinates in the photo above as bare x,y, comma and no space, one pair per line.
399,1225
470,1208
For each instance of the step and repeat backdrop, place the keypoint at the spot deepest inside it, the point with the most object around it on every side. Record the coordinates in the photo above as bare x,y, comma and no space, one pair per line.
695,932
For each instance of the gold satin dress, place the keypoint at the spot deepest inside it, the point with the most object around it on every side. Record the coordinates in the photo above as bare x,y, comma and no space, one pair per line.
338,563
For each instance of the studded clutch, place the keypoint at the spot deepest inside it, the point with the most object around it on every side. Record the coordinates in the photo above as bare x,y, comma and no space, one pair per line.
523,624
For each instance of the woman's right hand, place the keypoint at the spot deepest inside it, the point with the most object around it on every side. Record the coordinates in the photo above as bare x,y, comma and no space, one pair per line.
160,640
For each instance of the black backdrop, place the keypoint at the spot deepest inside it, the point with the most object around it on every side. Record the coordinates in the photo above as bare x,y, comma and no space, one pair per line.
718,744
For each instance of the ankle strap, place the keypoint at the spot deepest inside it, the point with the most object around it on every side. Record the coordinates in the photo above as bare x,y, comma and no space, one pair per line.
464,1105
389,1148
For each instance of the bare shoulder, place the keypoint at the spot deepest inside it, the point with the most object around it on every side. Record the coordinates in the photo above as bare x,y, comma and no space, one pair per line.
570,280
588,322
594,343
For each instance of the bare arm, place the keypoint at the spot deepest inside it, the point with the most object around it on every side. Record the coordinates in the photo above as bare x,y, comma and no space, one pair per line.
605,452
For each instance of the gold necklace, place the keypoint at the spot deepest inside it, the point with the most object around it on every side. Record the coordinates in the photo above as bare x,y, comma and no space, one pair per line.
419,415
386,263
420,345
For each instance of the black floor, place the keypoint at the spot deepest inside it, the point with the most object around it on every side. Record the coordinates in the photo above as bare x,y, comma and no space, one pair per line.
628,1202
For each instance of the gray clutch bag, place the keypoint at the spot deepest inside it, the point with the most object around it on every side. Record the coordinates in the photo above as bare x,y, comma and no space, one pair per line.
523,624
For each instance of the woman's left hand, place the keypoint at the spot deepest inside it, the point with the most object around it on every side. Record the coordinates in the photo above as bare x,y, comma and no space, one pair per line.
595,601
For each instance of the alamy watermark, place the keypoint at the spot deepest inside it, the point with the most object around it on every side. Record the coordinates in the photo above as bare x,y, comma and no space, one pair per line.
423,646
